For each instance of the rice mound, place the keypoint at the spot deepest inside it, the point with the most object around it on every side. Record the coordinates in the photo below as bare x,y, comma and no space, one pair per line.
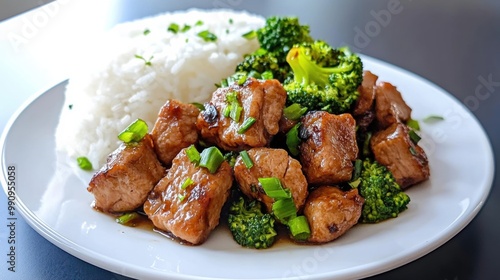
138,65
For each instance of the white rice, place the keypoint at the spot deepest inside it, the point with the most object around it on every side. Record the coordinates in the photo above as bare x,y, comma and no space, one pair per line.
114,87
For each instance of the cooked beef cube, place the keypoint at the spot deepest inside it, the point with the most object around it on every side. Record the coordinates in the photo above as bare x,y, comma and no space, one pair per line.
331,212
262,100
189,211
390,106
269,162
286,124
329,147
174,129
364,108
394,149
126,179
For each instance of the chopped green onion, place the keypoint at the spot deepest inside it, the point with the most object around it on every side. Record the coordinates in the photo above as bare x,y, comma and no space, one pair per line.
224,83
134,132
211,158
272,187
246,159
250,35
411,123
354,184
227,111
198,23
235,112
193,155
187,182
284,209
84,163
207,36
294,111
293,140
358,165
432,119
267,75
299,228
185,28
231,21
146,32
181,197
414,137
200,106
246,125
70,106
413,151
173,27
146,62
127,218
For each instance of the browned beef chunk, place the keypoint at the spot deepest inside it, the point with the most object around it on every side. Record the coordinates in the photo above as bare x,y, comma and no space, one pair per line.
331,212
126,179
364,107
193,212
329,147
390,106
269,162
261,100
174,129
394,149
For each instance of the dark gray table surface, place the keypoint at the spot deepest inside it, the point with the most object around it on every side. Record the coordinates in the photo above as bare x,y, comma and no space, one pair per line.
454,43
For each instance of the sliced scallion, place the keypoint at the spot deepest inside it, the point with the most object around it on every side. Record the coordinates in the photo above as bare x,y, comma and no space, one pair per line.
127,218
187,182
84,163
207,36
185,28
146,32
411,123
198,23
181,197
272,187
358,165
211,158
250,35
134,132
246,125
193,154
299,228
432,119
414,137
246,159
294,111
200,106
284,209
293,140
173,27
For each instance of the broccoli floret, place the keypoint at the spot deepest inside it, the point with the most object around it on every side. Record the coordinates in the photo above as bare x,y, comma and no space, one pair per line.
324,78
261,61
249,226
384,198
280,34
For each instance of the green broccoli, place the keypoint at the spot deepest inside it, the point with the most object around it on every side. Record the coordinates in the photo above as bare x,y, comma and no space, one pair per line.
324,78
261,61
384,198
280,34
249,226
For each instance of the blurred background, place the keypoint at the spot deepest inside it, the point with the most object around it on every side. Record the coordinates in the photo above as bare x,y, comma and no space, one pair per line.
453,43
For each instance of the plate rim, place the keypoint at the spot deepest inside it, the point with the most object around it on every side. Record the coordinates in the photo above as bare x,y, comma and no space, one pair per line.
114,266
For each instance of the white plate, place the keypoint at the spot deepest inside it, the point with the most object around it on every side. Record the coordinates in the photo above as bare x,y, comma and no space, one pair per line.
54,201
